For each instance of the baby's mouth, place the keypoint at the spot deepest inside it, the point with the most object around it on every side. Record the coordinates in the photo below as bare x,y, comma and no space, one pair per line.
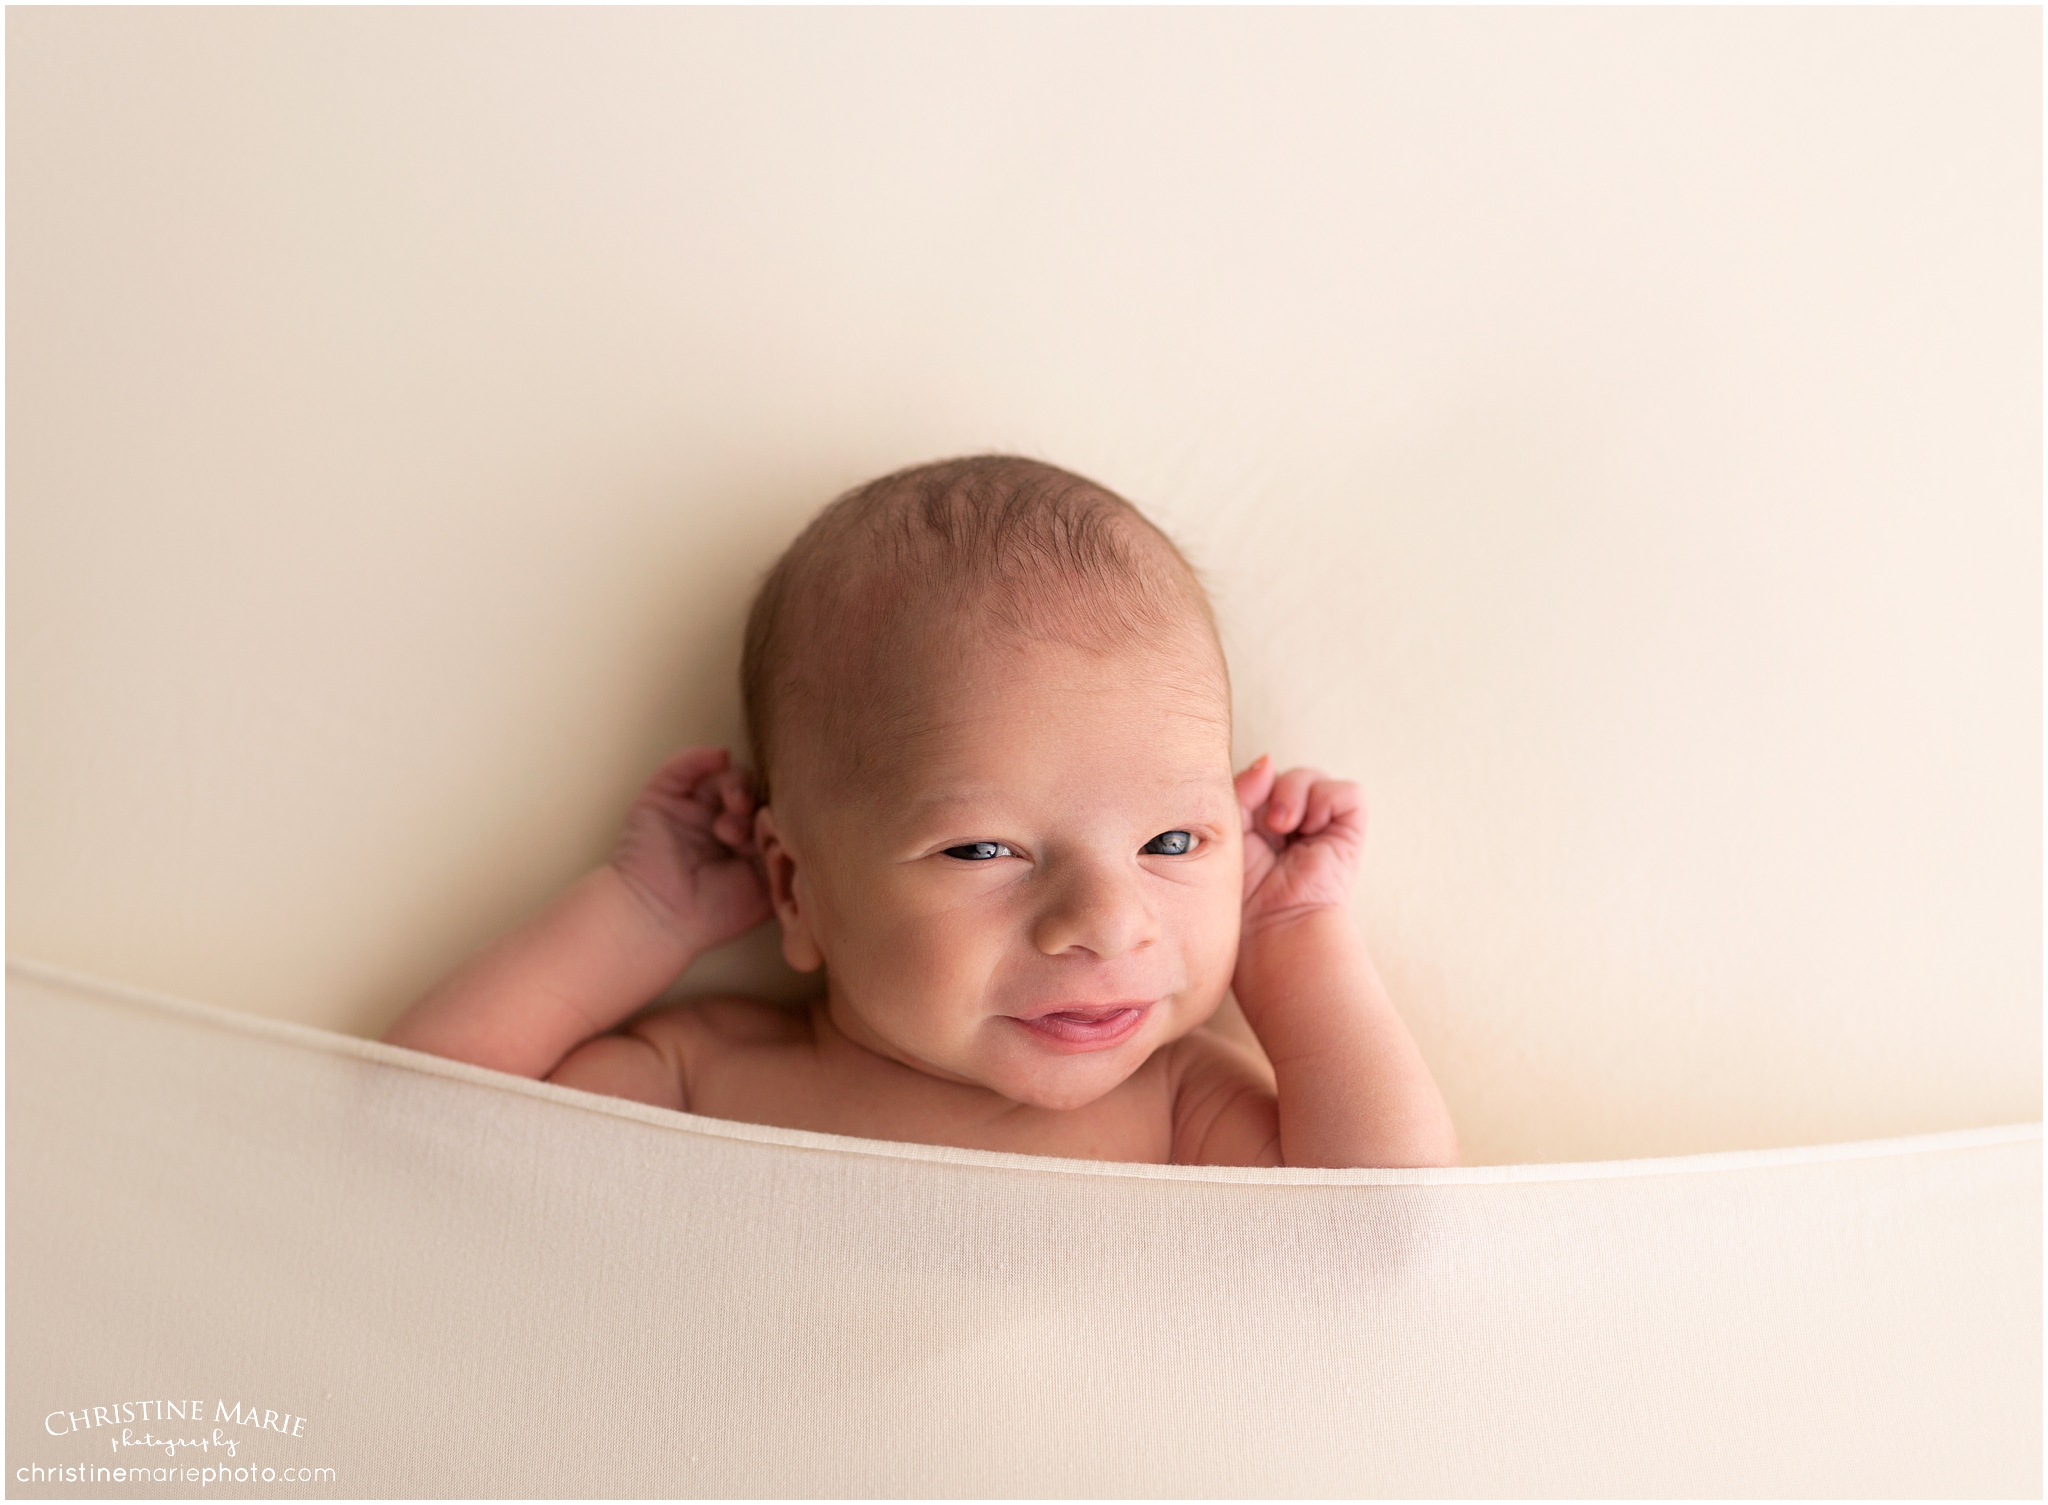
1085,1026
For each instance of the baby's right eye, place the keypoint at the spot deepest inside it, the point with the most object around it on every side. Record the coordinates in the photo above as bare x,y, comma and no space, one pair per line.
980,851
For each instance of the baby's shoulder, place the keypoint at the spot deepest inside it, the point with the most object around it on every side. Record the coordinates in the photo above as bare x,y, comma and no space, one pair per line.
698,1056
1225,1110
1207,1056
738,1058
726,1020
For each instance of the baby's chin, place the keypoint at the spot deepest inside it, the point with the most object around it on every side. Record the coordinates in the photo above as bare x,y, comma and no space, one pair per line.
1062,1095
1039,1075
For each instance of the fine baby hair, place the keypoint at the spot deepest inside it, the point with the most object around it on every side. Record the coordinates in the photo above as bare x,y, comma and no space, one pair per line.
1003,546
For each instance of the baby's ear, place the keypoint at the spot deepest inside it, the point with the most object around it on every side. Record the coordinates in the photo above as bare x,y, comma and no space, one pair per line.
799,946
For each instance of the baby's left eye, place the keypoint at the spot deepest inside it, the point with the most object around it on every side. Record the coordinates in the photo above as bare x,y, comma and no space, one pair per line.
1169,844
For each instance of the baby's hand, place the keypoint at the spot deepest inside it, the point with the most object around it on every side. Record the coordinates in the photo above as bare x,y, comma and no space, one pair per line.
1304,835
688,849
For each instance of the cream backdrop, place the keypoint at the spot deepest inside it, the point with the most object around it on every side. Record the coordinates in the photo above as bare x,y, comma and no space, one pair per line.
1613,436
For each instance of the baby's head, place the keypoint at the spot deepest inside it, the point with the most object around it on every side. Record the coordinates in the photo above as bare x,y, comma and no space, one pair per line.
990,719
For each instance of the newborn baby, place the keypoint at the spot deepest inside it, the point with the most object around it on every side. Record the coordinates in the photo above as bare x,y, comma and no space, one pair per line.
993,801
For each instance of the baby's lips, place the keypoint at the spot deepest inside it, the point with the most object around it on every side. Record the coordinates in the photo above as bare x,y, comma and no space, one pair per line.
1096,1009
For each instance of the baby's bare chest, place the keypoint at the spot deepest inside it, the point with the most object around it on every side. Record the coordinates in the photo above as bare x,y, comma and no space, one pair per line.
779,1076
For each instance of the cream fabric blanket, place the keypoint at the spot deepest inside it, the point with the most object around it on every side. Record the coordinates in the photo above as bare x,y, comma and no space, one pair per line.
443,1281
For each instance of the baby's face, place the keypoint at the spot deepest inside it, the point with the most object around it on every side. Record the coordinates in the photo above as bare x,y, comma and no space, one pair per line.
1040,884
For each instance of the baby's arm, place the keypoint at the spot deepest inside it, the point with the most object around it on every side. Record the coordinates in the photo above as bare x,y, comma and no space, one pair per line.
1352,1088
539,1002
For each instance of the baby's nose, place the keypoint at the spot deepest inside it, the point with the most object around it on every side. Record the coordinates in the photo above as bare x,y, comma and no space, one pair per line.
1096,909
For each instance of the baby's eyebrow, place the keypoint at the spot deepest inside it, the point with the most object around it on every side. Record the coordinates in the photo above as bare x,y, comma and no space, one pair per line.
938,799
984,794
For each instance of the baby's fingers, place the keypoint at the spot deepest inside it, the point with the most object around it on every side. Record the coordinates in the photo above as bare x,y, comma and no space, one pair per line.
731,799
1253,785
1288,802
1332,802
679,777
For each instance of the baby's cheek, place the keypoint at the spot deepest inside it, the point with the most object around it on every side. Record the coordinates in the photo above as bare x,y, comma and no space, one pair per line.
1209,937
925,968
